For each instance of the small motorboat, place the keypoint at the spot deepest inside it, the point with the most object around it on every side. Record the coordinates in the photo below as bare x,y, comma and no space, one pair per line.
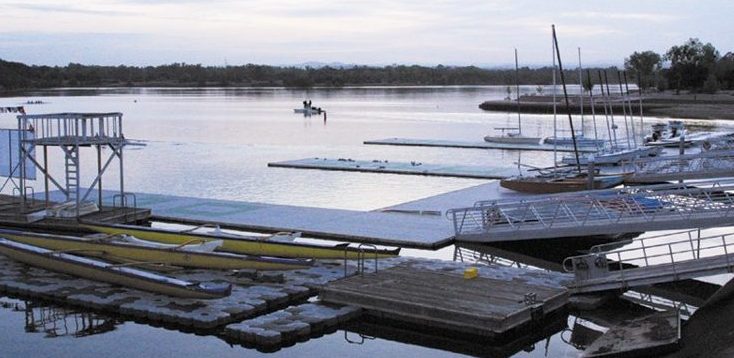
124,248
248,245
110,273
309,111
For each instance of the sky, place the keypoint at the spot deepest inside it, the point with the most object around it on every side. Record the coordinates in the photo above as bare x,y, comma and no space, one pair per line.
375,32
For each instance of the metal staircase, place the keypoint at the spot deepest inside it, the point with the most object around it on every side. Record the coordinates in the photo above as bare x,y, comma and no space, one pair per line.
71,161
600,212
651,260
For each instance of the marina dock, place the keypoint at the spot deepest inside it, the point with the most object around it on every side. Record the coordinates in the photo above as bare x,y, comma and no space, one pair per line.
408,142
404,168
374,227
415,291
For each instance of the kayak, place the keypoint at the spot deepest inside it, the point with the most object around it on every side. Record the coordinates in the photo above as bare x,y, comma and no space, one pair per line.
248,245
106,272
127,249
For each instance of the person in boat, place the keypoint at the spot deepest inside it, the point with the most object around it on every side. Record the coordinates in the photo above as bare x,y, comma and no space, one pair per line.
305,105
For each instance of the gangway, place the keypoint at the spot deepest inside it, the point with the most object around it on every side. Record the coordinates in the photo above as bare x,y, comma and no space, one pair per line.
703,165
598,212
651,260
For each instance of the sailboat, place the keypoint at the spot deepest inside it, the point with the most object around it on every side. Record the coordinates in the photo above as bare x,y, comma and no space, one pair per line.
510,134
559,180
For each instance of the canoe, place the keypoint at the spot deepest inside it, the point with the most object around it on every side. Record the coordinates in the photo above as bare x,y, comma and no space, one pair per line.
247,245
548,185
106,272
128,249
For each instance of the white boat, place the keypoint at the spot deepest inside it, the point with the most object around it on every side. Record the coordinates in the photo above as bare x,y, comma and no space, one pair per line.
512,138
615,157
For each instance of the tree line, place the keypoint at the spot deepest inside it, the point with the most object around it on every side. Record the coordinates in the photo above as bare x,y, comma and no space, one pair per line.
691,66
15,75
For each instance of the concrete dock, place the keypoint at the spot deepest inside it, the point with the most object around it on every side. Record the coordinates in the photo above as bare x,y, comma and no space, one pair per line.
408,142
434,294
404,168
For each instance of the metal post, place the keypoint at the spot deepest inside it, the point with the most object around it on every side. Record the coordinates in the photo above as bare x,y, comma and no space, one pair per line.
122,181
45,174
99,174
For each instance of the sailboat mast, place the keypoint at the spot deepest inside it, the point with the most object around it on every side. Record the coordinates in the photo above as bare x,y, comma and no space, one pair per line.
581,92
593,110
565,95
624,110
612,143
517,89
555,111
611,110
629,104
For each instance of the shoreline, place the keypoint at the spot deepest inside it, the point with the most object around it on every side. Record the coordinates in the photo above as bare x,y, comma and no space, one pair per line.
664,104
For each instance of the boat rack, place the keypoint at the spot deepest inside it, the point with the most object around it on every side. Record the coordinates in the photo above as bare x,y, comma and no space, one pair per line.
598,212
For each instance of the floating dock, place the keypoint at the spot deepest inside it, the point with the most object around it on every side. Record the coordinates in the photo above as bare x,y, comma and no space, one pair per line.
374,227
405,168
434,294
408,142
654,335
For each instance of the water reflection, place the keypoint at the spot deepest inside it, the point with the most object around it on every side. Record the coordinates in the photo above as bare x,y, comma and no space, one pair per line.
56,321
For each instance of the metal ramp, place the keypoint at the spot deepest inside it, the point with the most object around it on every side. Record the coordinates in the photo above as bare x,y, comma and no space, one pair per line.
600,212
703,165
652,260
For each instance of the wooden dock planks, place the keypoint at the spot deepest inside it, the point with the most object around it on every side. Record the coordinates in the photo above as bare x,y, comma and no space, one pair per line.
442,299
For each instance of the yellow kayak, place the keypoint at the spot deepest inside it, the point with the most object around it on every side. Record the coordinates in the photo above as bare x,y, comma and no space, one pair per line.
106,272
246,245
151,253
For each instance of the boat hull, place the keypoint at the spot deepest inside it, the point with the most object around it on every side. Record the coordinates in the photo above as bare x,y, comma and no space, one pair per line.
247,246
127,253
512,139
534,185
127,277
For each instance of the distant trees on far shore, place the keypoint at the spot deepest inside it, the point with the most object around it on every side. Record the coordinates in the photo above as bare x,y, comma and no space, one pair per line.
693,66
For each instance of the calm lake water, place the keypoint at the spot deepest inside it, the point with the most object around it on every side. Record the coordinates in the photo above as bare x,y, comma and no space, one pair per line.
216,143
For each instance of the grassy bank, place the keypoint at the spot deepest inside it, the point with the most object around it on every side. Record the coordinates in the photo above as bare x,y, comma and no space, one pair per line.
664,104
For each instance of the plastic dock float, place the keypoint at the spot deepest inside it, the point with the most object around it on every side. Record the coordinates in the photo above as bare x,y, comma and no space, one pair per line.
435,294
405,168
408,142
654,335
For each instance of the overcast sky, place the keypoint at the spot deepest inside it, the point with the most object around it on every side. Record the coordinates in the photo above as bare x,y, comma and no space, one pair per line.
429,32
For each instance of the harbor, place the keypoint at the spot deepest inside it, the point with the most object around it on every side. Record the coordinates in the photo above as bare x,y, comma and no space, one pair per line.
436,288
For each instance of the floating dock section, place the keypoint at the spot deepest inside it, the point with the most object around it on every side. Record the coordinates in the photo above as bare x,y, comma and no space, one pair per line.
405,168
407,142
435,294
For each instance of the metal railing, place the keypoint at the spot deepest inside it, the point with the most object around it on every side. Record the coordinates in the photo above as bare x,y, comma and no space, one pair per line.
702,165
670,258
613,211
73,128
